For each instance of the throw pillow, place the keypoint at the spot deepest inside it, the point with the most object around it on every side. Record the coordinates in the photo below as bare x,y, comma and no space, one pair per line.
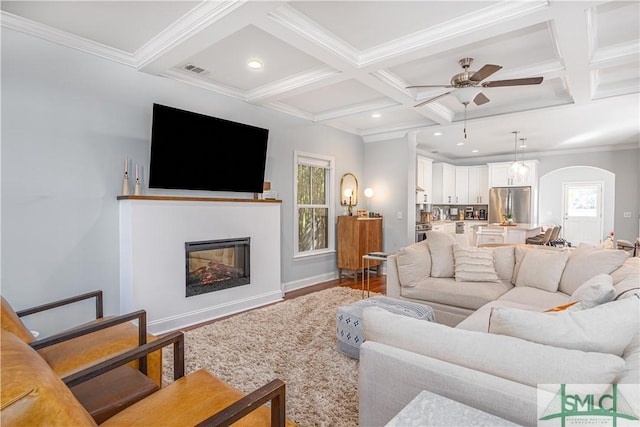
561,307
474,265
441,248
542,269
588,261
505,357
607,328
505,259
414,263
595,291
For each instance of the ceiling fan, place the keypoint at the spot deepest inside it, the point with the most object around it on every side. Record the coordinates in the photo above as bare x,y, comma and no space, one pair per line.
467,85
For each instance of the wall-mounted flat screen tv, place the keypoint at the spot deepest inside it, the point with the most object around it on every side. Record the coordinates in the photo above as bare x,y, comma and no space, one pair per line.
197,152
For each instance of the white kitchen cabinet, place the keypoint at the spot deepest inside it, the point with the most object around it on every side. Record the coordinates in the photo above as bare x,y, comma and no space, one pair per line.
462,185
445,227
424,180
499,175
478,185
444,183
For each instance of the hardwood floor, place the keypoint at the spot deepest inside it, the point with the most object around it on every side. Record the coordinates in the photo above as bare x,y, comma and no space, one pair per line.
376,284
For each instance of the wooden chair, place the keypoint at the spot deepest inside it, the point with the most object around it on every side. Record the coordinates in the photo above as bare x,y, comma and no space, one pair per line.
78,348
34,395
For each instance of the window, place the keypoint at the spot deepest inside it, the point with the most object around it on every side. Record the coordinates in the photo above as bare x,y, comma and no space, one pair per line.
314,206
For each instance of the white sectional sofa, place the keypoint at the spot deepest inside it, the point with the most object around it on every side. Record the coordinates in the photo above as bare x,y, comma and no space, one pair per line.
493,343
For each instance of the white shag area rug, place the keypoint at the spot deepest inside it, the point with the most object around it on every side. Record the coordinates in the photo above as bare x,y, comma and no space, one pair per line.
295,341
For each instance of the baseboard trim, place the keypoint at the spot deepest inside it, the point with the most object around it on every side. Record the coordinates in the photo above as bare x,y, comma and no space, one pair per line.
183,320
308,281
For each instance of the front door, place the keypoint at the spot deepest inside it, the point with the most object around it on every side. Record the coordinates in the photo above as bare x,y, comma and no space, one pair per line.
582,212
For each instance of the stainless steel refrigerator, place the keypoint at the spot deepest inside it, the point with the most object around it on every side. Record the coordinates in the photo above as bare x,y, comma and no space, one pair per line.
510,200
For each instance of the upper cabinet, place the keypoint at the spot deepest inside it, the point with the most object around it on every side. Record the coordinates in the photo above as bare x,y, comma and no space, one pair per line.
501,176
424,180
478,185
444,183
462,185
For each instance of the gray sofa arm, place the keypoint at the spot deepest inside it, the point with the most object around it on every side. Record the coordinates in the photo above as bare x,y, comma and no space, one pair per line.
391,377
393,280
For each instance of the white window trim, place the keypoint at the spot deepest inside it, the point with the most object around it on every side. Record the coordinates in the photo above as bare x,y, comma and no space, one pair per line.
312,159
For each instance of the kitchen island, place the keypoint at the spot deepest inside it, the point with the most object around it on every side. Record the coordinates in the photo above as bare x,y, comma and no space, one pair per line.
499,233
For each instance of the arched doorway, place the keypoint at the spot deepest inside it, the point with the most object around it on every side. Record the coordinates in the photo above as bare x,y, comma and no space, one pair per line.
581,199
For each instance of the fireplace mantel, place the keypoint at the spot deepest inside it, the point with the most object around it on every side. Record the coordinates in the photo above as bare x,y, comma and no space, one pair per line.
153,233
197,199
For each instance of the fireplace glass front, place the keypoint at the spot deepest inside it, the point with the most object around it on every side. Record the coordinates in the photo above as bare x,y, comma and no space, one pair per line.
215,265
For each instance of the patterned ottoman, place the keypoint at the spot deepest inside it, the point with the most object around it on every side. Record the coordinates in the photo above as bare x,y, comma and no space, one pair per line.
349,320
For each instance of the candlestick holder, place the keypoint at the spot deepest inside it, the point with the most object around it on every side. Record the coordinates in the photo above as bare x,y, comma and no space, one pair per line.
125,185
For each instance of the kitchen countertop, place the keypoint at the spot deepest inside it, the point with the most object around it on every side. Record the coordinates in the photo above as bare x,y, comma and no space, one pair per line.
520,226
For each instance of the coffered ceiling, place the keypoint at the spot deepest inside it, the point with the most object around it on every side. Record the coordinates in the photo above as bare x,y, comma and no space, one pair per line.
347,63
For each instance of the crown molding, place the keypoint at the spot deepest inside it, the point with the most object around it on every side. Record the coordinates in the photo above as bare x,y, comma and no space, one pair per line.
468,23
290,83
618,54
290,18
288,109
45,32
184,77
196,20
363,107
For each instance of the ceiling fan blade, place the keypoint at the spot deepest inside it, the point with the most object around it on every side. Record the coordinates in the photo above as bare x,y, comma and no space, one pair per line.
480,99
432,99
421,86
485,72
514,82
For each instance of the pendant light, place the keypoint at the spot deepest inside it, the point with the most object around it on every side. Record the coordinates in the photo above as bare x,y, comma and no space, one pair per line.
523,169
513,169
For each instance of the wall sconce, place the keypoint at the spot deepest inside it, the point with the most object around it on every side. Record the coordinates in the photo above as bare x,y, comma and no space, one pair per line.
368,192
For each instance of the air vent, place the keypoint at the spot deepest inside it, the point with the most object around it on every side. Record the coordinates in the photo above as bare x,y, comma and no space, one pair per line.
195,69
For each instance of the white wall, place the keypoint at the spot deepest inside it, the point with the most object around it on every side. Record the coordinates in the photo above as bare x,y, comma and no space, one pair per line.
625,164
389,174
68,121
551,186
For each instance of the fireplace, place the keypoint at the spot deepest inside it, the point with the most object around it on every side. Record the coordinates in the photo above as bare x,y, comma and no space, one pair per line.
215,265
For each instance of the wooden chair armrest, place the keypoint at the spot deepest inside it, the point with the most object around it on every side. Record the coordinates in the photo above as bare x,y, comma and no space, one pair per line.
140,315
55,304
273,391
175,338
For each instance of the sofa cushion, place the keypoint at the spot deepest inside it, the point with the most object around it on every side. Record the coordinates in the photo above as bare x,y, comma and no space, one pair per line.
474,265
628,287
587,261
503,356
536,297
504,258
414,263
595,291
631,356
479,319
629,267
441,248
541,269
470,295
607,328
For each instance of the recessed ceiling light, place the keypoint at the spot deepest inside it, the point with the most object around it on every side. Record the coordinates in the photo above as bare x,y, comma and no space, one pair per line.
437,133
523,146
460,143
376,115
254,64
474,151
